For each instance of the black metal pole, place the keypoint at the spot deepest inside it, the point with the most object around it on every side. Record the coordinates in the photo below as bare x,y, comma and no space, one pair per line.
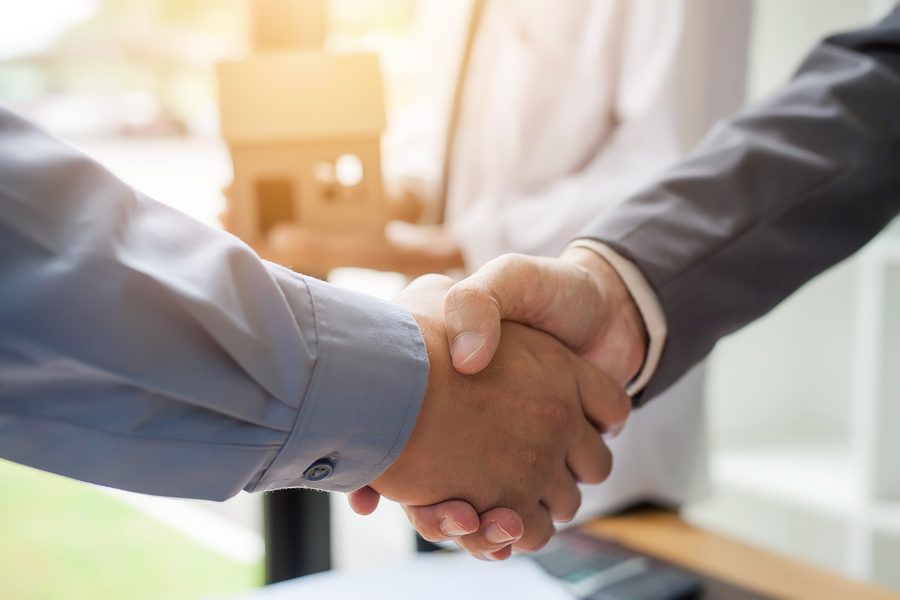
423,545
297,532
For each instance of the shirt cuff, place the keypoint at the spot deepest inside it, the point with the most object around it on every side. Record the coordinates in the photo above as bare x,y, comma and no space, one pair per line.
647,303
363,398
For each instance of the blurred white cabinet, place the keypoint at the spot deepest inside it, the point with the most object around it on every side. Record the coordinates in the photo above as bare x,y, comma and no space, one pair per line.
805,422
804,405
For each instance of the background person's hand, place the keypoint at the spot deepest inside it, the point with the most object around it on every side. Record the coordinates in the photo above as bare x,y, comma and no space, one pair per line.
411,249
517,435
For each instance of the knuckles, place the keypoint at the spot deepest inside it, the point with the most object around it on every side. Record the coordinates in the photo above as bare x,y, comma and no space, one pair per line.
435,280
533,544
555,417
601,470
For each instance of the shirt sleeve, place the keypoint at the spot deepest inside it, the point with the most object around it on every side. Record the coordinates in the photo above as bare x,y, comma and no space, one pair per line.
647,304
142,350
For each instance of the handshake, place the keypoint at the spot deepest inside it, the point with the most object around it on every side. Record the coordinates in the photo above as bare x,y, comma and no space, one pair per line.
528,358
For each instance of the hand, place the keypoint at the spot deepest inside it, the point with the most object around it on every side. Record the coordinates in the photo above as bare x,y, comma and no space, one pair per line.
579,299
489,536
518,435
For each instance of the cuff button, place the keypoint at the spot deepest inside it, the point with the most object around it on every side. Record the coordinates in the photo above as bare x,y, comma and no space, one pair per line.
319,470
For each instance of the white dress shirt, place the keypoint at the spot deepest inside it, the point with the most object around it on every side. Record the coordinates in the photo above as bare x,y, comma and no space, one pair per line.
568,108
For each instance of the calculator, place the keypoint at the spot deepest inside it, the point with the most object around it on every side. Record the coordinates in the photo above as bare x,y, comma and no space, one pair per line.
594,569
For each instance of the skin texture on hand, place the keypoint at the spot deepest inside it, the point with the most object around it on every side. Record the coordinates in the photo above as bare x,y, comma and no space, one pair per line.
518,435
579,299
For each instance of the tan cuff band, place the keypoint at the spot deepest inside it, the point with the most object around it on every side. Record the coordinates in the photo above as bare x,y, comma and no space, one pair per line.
647,304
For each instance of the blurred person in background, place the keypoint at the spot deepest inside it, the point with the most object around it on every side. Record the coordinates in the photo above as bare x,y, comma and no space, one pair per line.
552,113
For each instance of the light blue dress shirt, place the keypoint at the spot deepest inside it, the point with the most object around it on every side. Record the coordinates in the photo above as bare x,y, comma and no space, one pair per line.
143,350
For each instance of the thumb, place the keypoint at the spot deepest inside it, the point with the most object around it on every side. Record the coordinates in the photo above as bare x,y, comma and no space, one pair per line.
550,294
472,317
474,307
364,500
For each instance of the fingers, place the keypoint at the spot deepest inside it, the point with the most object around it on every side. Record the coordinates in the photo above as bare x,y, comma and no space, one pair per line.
501,554
442,522
552,295
589,459
563,497
538,530
494,534
606,406
364,501
498,528
604,402
489,536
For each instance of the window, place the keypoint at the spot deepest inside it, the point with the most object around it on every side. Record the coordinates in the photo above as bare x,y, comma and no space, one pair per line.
340,180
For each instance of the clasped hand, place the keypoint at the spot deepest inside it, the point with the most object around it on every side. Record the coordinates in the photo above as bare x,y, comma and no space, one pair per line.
503,439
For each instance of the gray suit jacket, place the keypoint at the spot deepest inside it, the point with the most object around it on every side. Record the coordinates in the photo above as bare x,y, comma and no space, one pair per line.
770,198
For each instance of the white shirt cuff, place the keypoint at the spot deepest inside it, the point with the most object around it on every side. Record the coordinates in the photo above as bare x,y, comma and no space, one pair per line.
647,304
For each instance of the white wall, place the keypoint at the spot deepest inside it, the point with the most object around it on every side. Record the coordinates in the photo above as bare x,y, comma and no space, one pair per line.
788,378
788,374
785,30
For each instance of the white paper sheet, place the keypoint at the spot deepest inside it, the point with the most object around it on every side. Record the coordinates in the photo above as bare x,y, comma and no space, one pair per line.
440,576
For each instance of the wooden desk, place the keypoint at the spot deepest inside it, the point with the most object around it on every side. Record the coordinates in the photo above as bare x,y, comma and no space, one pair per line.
664,535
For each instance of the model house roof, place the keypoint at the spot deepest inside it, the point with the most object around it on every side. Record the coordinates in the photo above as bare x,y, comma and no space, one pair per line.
301,95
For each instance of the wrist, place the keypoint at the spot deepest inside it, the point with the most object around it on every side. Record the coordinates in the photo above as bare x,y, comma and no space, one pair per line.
423,299
623,336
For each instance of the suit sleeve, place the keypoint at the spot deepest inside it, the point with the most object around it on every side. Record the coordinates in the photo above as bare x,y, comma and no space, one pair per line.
770,198
142,350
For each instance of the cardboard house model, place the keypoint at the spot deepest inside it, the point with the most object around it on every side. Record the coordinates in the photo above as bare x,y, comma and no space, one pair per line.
303,129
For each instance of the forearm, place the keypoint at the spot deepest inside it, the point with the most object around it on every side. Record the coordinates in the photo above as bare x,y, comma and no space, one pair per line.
771,198
140,349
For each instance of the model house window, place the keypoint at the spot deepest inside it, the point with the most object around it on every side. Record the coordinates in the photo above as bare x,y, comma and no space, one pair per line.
340,180
348,169
275,202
